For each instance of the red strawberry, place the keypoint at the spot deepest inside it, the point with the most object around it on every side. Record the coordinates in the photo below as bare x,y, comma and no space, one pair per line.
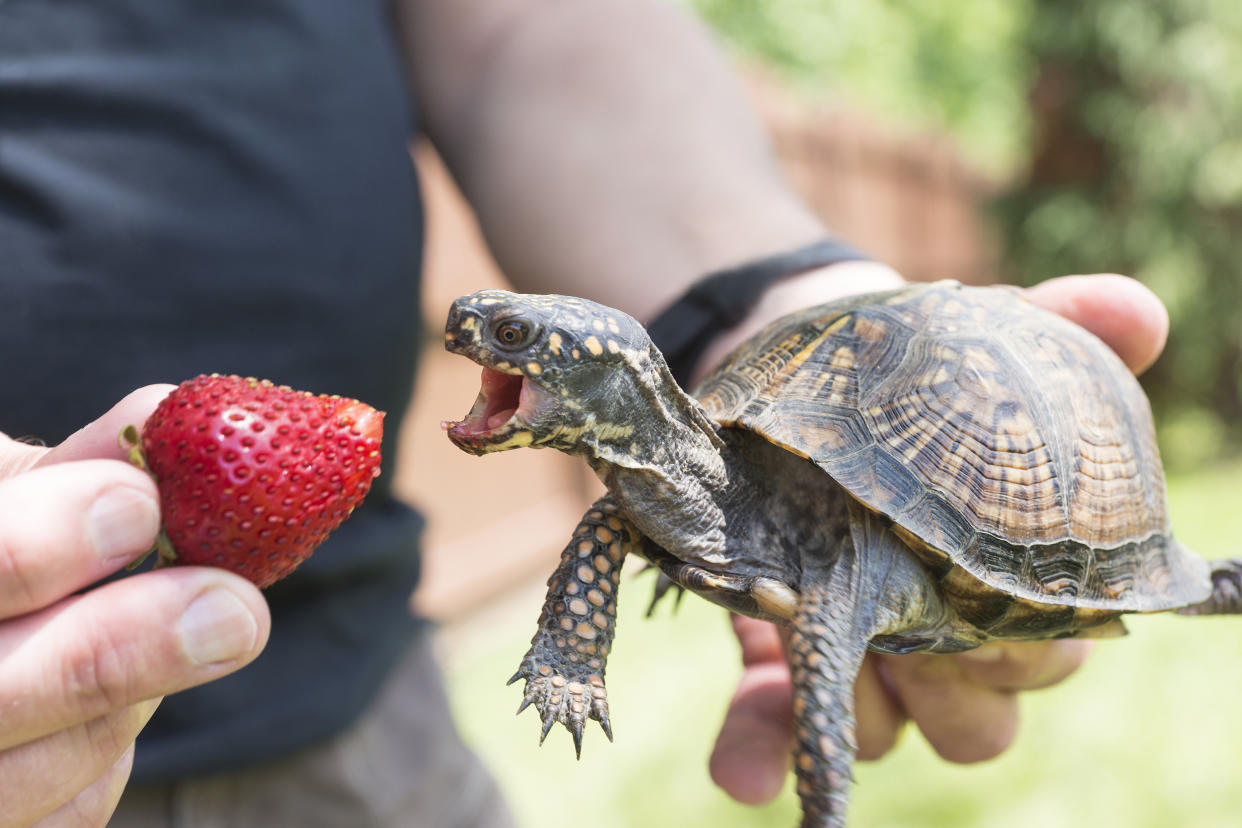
253,476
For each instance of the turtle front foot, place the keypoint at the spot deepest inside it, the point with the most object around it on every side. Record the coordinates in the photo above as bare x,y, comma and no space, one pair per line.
566,693
564,668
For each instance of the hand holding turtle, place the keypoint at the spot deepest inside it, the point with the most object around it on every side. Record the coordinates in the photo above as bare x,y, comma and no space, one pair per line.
966,704
80,674
961,490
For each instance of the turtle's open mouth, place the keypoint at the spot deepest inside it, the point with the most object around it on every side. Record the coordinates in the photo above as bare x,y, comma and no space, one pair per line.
501,416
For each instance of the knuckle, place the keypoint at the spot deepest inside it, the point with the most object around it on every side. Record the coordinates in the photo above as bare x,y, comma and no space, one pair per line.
107,737
1028,665
17,592
97,677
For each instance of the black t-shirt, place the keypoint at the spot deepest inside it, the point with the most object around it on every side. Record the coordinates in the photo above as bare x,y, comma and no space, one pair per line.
191,186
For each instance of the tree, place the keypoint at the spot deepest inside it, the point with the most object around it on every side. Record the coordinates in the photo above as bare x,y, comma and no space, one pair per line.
1136,166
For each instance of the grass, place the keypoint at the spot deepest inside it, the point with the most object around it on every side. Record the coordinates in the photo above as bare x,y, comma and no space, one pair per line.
1147,735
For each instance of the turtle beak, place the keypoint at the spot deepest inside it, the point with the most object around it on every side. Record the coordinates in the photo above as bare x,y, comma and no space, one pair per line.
509,404
502,415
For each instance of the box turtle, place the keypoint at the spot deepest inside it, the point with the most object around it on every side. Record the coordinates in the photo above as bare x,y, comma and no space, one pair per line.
925,469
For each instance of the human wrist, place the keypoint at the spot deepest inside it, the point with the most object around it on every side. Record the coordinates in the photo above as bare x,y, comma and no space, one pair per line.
724,298
814,287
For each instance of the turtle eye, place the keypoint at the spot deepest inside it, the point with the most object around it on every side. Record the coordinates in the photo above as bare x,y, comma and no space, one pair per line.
513,334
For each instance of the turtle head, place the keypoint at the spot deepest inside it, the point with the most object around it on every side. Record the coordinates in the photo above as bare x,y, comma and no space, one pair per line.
557,371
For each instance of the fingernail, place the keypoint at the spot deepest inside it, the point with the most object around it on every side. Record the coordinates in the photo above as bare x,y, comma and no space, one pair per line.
122,523
217,626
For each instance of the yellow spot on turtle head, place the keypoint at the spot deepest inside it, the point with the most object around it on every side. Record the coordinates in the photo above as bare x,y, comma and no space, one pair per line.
592,344
488,301
597,324
469,323
612,326
554,343
613,432
575,353
534,368
519,439
613,347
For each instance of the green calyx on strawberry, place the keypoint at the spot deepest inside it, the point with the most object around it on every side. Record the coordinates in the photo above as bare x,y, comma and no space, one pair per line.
253,476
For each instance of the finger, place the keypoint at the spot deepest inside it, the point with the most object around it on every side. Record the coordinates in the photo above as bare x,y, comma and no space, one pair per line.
99,438
750,760
760,641
82,756
66,526
17,455
95,440
1119,310
95,805
962,720
130,640
751,757
1025,665
879,716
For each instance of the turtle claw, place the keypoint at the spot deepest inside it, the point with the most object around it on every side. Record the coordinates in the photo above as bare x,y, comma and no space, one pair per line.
549,719
569,696
564,667
663,586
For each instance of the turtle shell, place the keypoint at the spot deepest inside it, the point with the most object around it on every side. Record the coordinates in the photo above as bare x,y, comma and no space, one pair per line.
1008,447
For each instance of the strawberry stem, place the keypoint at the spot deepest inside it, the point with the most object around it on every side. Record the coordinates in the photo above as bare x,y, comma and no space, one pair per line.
167,555
131,443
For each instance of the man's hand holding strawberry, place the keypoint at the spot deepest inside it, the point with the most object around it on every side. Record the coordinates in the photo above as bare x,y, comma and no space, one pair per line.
81,672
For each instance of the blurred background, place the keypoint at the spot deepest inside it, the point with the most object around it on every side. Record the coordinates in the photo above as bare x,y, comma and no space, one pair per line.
977,140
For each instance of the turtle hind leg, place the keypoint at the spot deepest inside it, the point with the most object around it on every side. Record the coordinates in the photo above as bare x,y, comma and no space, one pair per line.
1226,597
825,654
564,667
871,587
823,675
836,616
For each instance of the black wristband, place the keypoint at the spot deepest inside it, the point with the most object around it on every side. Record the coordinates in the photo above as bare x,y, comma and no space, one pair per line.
723,298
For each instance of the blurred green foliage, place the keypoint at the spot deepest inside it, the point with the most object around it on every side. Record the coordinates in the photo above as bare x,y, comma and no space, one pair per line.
953,66
1146,735
1117,129
1136,167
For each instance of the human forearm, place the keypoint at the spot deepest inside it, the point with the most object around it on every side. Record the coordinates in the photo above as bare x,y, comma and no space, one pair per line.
597,168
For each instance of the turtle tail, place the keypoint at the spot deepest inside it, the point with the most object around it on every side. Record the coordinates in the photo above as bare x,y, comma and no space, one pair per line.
1226,597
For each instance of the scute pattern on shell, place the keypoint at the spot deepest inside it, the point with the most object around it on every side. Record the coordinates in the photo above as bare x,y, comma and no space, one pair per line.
1008,446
